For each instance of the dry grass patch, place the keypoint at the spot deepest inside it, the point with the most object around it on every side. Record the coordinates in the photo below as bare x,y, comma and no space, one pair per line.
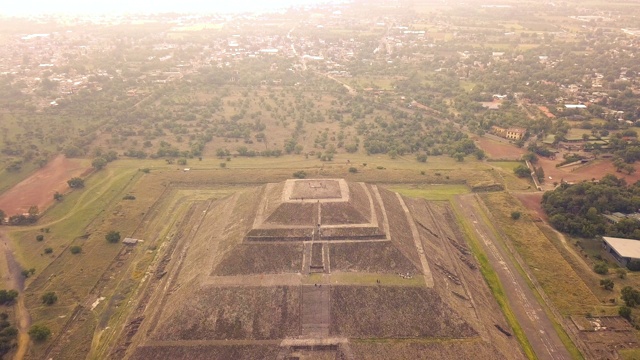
560,282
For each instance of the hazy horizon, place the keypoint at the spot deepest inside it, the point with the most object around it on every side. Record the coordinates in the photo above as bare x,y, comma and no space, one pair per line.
79,7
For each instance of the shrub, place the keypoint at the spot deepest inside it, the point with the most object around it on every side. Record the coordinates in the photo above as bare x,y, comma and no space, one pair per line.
421,158
601,268
49,298
39,333
625,312
75,249
223,165
515,215
112,236
48,250
26,273
76,183
39,237
300,174
353,170
607,284
128,197
622,273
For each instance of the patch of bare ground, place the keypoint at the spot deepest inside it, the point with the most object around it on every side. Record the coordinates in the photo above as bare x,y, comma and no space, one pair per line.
385,312
497,149
251,258
38,189
238,313
203,352
375,257
445,350
595,169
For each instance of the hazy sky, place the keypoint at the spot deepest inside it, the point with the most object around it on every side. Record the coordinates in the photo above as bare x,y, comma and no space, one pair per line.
26,7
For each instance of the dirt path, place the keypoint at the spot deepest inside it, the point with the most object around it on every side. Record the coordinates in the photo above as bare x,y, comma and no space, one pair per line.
16,280
532,318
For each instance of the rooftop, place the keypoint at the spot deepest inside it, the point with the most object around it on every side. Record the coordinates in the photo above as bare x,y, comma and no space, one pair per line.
628,248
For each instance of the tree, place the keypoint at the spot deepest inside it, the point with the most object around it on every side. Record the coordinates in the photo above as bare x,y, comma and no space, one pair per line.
39,237
75,183
625,312
515,215
33,211
630,296
7,296
3,215
540,173
57,196
99,163
39,333
480,154
607,284
421,158
49,298
75,249
521,171
112,236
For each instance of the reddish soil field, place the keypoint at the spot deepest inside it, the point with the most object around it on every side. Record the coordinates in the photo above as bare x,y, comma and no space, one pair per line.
38,189
546,111
532,201
595,169
499,150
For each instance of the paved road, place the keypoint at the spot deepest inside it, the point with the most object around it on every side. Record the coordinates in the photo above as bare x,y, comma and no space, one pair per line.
534,321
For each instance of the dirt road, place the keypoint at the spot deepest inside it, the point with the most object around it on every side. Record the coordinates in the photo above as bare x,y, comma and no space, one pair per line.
534,321
16,281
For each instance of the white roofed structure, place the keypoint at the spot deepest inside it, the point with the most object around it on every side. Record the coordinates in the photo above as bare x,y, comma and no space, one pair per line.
623,250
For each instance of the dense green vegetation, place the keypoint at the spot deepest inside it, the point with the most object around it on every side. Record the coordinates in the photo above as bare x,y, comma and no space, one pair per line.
578,209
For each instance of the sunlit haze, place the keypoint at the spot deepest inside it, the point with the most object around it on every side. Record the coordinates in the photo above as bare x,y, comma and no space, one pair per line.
36,7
